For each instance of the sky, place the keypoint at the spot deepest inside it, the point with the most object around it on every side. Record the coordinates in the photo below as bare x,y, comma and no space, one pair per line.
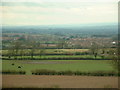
55,13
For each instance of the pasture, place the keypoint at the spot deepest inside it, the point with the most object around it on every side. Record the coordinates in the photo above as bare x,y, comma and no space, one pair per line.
57,65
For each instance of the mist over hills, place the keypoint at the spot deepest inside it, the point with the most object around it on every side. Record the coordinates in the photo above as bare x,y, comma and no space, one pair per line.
107,29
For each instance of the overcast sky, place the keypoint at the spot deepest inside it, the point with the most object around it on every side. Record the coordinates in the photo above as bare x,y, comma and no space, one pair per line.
52,13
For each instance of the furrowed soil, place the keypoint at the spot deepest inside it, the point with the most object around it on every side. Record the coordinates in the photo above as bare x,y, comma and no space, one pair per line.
46,81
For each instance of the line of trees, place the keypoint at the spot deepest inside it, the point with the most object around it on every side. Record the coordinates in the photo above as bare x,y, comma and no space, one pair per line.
17,49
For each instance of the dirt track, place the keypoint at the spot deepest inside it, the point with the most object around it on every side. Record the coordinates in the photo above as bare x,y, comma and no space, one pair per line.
33,81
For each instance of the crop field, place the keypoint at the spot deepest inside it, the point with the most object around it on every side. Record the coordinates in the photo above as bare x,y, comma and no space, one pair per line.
34,81
57,65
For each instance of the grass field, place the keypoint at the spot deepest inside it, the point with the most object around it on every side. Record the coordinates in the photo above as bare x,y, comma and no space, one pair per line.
59,65
53,50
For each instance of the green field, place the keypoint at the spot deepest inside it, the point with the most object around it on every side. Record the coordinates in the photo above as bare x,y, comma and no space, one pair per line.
51,51
58,65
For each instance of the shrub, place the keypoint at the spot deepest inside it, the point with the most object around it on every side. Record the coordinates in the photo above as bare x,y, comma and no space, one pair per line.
81,53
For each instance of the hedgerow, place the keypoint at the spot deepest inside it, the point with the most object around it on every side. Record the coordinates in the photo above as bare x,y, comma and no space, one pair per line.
13,72
52,72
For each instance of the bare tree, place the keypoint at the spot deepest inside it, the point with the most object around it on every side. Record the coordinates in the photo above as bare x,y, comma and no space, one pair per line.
41,49
94,49
32,46
22,51
114,55
42,52
14,49
10,52
63,44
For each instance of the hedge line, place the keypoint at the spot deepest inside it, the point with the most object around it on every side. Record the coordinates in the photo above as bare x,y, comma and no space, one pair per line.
56,58
76,53
13,72
52,72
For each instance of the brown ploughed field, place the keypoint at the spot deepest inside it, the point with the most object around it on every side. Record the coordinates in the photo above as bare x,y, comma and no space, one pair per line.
46,81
